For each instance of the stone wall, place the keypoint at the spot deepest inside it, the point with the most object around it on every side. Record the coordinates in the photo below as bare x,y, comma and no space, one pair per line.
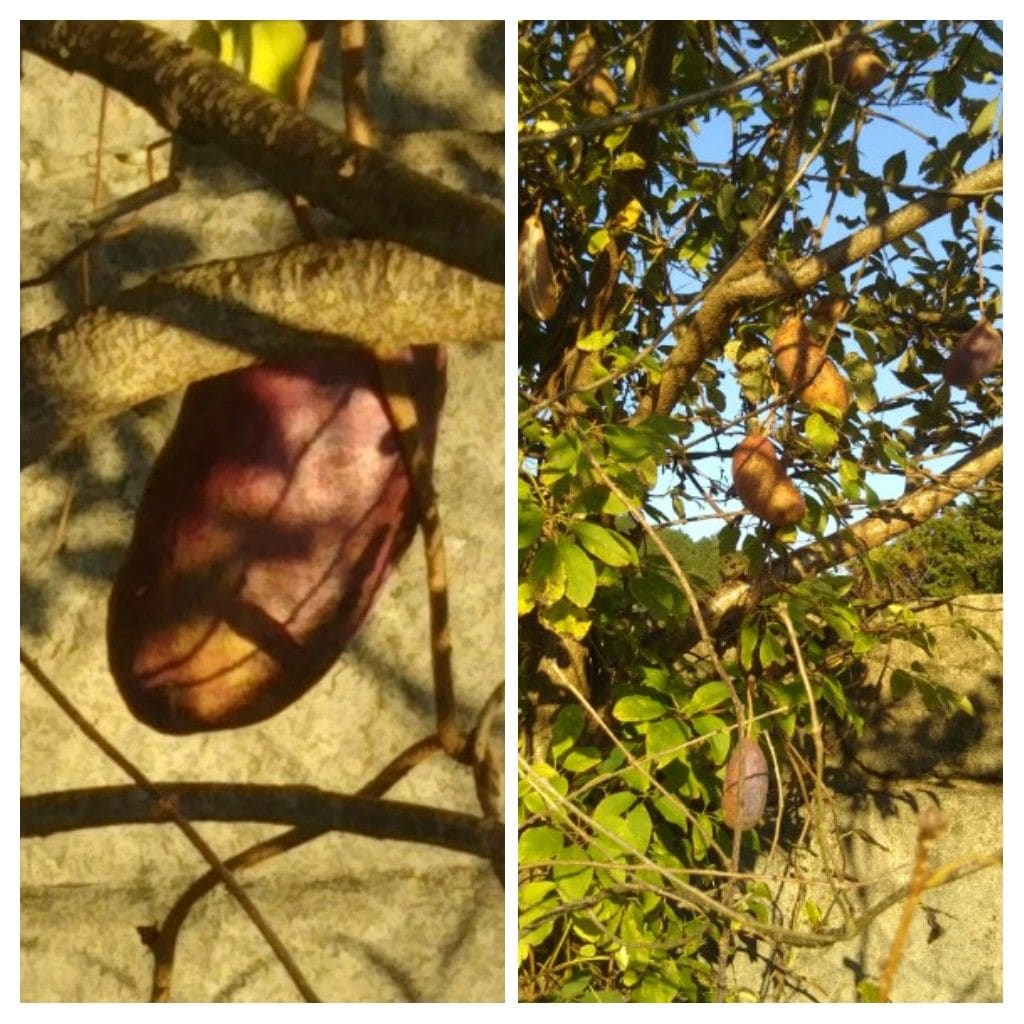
910,758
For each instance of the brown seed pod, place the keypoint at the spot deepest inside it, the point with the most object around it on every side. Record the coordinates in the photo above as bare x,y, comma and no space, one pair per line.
602,95
974,356
746,786
812,376
860,70
762,483
270,520
582,53
830,309
539,290
598,86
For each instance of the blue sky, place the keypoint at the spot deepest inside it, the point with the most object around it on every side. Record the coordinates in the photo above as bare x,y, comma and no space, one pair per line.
879,140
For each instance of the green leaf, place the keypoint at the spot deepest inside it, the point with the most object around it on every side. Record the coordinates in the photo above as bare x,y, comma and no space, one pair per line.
566,729
564,618
639,707
562,458
595,341
531,893
716,732
983,122
709,695
531,523
638,821
539,843
629,444
749,633
580,575
822,437
629,162
610,547
771,651
274,51
665,735
573,880
581,759
598,241
894,170
655,989
547,574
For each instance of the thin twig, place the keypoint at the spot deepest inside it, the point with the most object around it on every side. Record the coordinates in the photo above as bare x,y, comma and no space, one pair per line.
167,808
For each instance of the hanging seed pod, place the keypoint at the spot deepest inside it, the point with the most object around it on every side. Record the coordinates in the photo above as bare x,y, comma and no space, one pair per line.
598,86
807,368
746,786
830,309
539,291
762,484
860,70
974,356
269,521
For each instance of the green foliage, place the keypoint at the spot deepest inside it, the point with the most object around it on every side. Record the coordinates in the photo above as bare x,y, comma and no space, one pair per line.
629,724
959,551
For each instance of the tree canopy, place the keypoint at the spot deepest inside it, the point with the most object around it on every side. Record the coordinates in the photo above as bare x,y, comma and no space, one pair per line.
788,232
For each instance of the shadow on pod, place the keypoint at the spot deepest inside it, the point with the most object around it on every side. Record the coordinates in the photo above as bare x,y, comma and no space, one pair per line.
269,521
746,786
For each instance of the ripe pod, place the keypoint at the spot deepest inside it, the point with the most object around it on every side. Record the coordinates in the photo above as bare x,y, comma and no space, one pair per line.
861,70
974,356
269,521
830,309
539,291
807,368
762,483
746,786
598,86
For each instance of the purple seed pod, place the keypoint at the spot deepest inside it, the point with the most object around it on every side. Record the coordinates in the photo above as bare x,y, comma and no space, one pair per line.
269,521
974,356
746,786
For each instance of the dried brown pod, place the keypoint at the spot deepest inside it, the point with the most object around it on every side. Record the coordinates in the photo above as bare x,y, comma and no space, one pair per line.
811,375
830,309
598,86
860,70
974,356
602,94
539,290
746,786
762,484
582,53
270,519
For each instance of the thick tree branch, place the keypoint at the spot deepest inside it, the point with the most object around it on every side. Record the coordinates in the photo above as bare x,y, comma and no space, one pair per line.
45,814
697,339
773,282
189,91
871,532
182,325
652,86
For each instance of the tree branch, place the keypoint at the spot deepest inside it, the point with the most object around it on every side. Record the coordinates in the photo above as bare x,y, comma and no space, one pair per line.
696,99
706,329
871,532
182,325
189,91
46,814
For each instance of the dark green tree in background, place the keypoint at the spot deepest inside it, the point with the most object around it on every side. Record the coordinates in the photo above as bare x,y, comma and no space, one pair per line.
691,194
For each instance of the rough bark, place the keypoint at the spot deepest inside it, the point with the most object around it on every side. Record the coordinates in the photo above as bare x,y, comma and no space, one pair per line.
183,325
697,339
45,814
189,91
